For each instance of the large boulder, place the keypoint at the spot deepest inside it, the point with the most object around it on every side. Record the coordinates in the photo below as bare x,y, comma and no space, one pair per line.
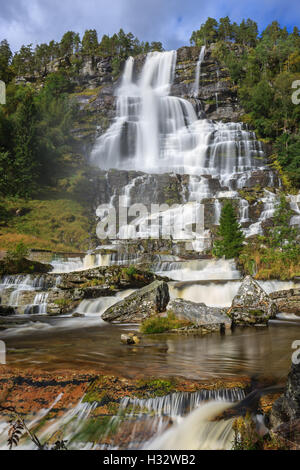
142,304
251,305
285,413
199,313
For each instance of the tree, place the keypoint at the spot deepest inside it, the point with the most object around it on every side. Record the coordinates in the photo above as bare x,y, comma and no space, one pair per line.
225,32
90,42
5,61
25,149
69,43
230,236
206,34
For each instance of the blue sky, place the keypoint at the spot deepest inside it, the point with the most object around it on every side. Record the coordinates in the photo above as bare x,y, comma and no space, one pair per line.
169,21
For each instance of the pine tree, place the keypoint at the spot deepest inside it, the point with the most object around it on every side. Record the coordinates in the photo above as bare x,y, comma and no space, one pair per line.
229,236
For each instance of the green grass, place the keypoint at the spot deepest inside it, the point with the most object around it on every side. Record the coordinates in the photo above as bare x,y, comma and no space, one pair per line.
157,324
52,224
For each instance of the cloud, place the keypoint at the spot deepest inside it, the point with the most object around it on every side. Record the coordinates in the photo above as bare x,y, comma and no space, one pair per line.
169,21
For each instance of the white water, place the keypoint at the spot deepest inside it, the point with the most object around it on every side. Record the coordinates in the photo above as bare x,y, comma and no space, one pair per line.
198,431
98,306
295,206
154,132
220,294
198,71
202,269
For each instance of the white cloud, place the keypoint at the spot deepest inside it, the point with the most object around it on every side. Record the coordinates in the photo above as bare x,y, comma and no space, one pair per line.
170,21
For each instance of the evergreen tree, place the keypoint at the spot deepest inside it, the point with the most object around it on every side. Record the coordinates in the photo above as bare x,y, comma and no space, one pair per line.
25,151
230,237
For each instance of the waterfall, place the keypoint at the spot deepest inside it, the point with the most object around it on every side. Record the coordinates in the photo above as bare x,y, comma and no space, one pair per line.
39,305
155,132
101,304
198,71
198,431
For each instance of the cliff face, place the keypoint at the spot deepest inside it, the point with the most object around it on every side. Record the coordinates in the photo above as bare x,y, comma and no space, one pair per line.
215,99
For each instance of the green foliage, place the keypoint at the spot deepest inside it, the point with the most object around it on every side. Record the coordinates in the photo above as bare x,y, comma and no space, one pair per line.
18,252
282,235
157,324
212,31
264,69
230,237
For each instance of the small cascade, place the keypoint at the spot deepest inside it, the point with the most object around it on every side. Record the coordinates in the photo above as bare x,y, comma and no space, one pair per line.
61,265
18,284
218,208
244,210
98,306
155,415
202,269
219,293
269,207
295,206
39,305
195,92
198,431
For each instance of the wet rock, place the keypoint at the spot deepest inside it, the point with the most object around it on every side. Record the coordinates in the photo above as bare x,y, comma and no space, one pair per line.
287,301
251,305
142,304
286,410
6,310
130,338
199,314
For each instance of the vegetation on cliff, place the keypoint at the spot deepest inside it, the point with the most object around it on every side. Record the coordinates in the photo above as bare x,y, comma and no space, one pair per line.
264,68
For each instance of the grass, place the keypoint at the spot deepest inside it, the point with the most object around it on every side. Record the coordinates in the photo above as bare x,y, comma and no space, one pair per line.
50,223
265,264
158,324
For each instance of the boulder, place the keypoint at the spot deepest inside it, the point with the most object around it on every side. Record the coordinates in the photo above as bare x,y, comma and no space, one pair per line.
287,301
285,413
141,304
199,313
251,305
131,338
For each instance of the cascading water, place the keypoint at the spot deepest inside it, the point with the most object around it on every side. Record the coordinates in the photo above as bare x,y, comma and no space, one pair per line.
198,71
154,132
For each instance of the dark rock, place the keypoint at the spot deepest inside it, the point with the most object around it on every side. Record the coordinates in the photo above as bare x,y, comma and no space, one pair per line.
287,408
287,301
6,310
251,305
142,304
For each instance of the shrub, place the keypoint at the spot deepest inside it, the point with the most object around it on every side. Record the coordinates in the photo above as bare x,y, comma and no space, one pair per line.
158,324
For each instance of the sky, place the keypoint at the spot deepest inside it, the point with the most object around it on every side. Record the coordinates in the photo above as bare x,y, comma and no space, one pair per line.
168,21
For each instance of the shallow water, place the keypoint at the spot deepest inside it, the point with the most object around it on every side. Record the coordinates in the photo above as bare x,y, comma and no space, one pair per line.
265,351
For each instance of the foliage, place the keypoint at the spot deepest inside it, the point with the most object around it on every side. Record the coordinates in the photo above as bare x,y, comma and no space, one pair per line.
18,252
19,429
264,69
230,237
276,255
156,324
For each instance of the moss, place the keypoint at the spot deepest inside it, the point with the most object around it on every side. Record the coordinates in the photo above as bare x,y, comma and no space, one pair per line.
156,324
155,387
